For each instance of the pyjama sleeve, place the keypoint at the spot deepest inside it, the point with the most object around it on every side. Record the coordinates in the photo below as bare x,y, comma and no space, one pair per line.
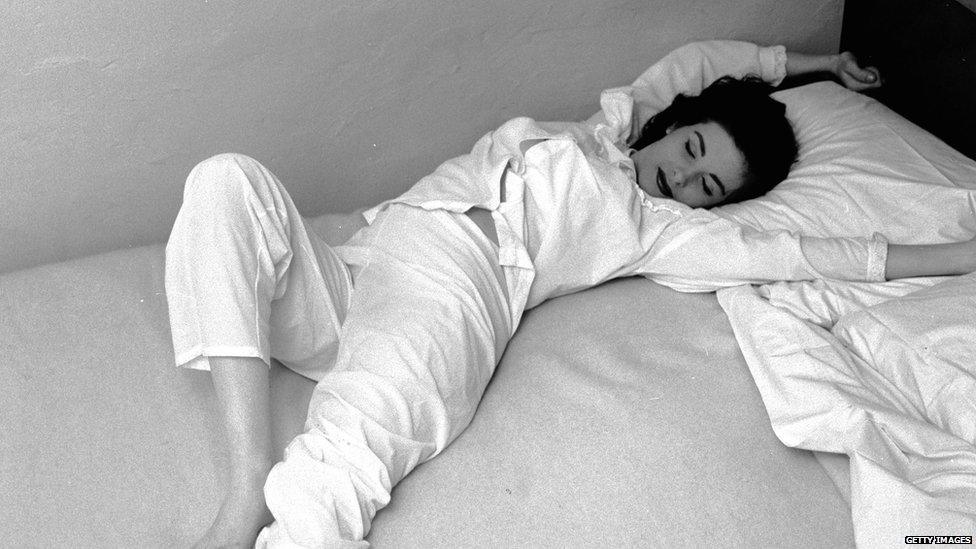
701,252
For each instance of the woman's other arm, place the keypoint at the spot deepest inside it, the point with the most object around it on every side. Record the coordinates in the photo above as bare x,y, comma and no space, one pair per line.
701,252
906,261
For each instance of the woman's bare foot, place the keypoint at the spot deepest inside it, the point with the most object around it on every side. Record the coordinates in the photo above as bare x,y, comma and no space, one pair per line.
241,517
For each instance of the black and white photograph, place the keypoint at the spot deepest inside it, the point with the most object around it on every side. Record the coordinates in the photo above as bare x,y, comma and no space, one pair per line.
443,274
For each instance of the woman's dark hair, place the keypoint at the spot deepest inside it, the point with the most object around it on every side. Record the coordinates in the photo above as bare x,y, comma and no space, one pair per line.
756,122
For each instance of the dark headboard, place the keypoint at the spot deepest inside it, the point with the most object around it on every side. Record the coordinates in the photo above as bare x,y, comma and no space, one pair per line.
926,50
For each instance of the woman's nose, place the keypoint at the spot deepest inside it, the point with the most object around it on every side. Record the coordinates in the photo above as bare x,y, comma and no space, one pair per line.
681,177
686,176
678,177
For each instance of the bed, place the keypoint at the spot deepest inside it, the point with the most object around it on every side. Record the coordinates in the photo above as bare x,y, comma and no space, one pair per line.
625,415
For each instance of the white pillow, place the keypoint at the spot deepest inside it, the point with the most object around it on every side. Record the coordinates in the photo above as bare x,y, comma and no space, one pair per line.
863,169
924,344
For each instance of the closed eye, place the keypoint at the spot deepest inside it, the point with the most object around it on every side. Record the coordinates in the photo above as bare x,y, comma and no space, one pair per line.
688,148
718,182
705,187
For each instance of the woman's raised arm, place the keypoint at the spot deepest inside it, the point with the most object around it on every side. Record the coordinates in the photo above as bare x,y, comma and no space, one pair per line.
843,65
691,68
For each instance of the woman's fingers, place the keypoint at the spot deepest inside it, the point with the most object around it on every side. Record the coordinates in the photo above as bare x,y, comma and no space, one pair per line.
855,76
867,75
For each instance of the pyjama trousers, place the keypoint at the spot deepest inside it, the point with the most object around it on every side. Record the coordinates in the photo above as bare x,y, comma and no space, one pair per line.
402,327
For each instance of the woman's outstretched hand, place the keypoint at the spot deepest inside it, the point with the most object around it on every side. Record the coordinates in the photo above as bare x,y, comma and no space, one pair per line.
854,76
908,260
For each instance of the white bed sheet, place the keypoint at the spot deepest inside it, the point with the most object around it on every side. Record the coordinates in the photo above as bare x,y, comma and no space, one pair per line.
619,416
888,382
823,354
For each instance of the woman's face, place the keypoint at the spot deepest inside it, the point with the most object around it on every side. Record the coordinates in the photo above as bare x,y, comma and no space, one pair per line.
697,165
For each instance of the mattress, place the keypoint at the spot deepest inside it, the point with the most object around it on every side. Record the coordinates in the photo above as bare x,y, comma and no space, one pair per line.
623,415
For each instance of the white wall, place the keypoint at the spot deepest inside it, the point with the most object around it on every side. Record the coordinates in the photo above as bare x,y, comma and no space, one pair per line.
105,105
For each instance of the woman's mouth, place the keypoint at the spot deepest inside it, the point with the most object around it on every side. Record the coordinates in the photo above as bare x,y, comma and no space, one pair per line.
662,184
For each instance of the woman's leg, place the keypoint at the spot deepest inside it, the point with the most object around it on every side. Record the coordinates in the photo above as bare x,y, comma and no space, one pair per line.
241,386
245,281
428,322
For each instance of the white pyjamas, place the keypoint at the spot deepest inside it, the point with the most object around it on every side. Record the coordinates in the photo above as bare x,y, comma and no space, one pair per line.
428,323
421,335
245,277
403,358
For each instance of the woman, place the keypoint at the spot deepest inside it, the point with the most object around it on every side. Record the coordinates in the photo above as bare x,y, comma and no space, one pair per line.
403,324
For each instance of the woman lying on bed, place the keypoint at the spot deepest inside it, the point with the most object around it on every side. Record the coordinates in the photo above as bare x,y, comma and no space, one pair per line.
403,324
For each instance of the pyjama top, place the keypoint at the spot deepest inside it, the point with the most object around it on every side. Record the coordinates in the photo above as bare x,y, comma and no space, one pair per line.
569,213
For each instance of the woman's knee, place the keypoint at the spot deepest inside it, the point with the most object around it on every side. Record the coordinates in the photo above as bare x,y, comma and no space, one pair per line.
228,180
221,204
218,170
223,160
